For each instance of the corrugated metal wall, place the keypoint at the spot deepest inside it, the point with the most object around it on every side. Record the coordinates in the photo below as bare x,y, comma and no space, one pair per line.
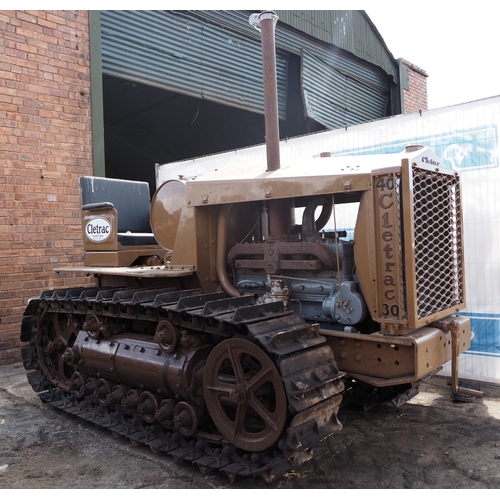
337,100
341,87
346,61
216,55
351,30
184,54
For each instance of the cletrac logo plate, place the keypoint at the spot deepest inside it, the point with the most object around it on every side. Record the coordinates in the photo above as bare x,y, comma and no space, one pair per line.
390,307
98,229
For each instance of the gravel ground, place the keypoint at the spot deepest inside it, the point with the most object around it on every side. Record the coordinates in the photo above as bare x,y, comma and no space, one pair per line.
430,442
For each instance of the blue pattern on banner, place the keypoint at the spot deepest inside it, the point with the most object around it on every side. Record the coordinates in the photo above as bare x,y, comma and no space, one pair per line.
460,149
486,328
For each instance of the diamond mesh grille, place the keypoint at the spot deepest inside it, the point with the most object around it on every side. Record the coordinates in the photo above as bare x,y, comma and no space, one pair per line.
438,242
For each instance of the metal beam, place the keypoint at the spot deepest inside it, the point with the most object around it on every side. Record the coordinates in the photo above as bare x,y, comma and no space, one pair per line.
96,97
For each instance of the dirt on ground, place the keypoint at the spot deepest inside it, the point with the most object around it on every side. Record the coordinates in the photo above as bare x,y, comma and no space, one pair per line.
430,442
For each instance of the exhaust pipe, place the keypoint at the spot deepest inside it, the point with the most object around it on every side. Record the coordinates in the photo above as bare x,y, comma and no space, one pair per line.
281,212
266,23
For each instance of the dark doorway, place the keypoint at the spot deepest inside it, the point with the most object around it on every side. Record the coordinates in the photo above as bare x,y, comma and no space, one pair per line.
145,125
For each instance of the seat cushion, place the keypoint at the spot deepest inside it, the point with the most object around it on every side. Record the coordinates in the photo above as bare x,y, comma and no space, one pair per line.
131,239
130,199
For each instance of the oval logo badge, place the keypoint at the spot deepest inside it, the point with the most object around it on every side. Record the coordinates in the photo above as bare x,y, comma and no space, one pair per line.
98,230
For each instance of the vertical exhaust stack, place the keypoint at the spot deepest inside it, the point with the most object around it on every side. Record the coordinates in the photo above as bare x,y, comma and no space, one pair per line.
281,212
266,23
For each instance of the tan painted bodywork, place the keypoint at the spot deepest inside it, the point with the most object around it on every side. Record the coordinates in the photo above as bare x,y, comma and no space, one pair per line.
203,228
383,360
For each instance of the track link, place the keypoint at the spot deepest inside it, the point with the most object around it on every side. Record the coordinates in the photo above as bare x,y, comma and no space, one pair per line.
290,347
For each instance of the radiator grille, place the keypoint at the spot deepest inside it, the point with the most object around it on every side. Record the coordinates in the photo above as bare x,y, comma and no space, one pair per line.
438,241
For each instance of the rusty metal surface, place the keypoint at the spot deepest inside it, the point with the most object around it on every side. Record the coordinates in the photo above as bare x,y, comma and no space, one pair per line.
267,21
274,256
301,427
149,386
244,395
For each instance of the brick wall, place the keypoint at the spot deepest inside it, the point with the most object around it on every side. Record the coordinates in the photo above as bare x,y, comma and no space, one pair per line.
45,145
415,98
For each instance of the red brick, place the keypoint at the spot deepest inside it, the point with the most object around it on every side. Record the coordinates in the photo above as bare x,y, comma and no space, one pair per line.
415,98
45,138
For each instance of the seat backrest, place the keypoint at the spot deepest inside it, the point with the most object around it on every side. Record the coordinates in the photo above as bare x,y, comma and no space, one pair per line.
130,199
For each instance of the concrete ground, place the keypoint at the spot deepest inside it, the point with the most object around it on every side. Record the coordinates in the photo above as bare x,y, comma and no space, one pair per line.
431,442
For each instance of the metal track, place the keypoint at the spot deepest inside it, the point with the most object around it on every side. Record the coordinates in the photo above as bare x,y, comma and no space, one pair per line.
306,367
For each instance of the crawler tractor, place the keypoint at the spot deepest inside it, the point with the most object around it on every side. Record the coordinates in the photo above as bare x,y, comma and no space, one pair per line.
233,314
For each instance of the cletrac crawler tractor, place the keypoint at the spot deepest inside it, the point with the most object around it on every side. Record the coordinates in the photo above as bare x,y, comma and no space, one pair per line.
234,313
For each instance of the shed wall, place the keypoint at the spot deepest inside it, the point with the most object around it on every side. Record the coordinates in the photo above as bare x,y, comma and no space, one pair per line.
351,30
216,55
185,54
